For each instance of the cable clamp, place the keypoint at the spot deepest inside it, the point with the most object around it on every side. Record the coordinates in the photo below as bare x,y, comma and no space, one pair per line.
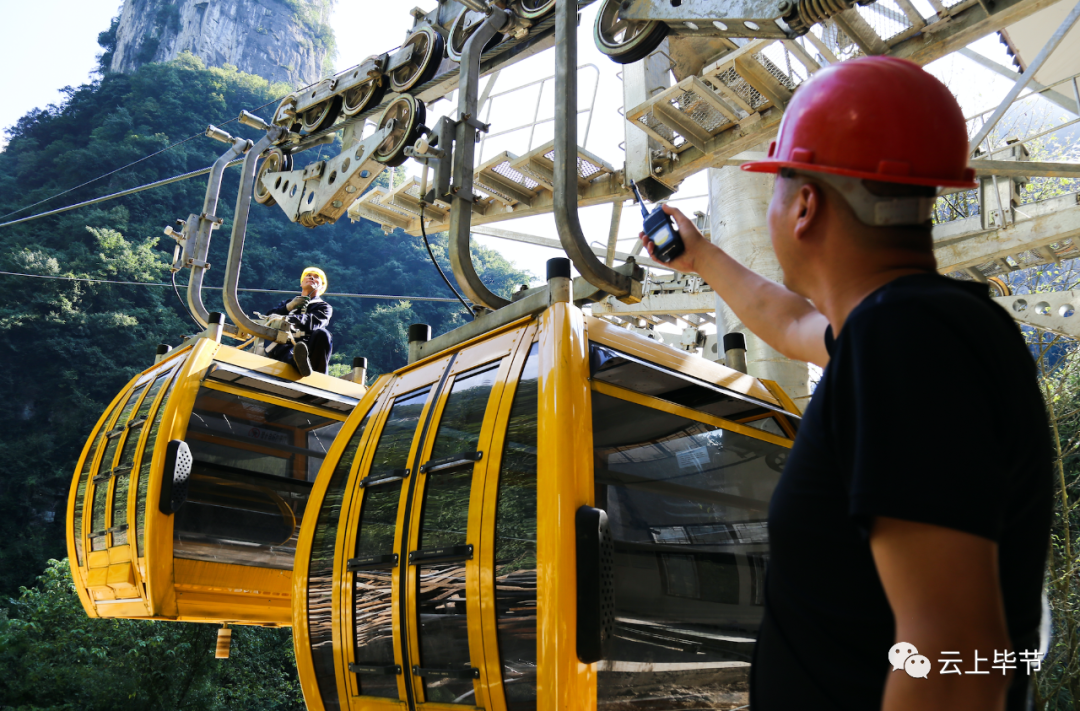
479,126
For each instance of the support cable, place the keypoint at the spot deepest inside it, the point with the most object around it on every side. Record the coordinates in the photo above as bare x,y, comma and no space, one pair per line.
386,297
187,309
122,193
434,261
113,172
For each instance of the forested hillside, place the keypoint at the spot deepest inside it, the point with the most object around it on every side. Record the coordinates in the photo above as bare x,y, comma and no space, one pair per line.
67,347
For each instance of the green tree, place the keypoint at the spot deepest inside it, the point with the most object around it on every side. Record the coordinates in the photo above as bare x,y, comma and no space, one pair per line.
1057,685
66,348
54,658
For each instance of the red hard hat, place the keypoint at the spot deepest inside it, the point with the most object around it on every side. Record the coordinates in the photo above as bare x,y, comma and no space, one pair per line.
875,118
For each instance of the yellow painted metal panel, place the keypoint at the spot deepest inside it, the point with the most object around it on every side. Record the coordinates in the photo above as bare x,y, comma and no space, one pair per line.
209,576
513,325
120,554
564,483
127,609
688,413
647,349
782,396
218,607
287,371
414,378
158,537
122,580
98,559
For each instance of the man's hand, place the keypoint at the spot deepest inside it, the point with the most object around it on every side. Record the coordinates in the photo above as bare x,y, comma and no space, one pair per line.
780,317
945,594
695,245
297,302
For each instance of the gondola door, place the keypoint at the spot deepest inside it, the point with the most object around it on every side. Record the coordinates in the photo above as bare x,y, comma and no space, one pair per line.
416,596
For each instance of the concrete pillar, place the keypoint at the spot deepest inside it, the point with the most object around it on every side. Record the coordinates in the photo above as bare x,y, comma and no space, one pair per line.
738,203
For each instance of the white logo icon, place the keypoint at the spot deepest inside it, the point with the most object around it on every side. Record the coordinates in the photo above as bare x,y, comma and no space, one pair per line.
917,666
900,652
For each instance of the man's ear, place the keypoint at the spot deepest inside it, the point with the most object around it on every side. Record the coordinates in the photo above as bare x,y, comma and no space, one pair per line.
807,206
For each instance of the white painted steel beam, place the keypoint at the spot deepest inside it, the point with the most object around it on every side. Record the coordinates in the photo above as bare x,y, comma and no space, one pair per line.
672,304
1025,78
1045,224
1055,312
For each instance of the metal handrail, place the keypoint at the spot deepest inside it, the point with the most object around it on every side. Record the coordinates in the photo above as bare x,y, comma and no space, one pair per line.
236,243
200,232
464,163
566,165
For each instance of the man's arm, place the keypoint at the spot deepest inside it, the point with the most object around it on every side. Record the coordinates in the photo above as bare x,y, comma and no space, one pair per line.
945,594
783,319
317,316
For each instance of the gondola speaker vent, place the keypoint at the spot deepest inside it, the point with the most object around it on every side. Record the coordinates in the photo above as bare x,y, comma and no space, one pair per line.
595,584
176,476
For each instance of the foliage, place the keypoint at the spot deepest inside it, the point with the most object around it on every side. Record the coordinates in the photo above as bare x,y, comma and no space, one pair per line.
314,15
1031,125
1058,359
53,657
107,41
66,348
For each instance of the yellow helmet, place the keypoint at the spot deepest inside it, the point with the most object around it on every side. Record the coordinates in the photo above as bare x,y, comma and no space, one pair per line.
319,273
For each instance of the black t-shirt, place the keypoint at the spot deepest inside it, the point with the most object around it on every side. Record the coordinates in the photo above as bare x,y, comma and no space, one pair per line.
928,411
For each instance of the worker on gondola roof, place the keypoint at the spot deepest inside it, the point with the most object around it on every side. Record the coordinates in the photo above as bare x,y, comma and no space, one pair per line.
909,528
310,316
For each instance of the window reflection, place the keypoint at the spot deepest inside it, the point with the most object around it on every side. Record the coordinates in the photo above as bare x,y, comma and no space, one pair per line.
444,518
250,479
373,592
687,504
372,588
144,470
515,546
321,574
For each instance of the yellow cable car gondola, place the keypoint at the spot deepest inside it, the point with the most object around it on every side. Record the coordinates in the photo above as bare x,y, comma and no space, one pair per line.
188,497
552,514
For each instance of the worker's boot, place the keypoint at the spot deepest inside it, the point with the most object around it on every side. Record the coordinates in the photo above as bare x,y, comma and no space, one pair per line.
300,358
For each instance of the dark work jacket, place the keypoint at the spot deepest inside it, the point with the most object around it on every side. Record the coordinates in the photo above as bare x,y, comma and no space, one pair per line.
317,316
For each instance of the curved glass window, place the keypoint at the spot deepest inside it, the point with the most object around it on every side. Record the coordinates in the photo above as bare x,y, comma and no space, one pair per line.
250,481
321,574
687,503
373,558
99,535
515,545
443,548
147,460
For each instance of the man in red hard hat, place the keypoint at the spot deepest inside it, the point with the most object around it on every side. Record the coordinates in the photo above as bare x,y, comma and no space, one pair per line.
910,527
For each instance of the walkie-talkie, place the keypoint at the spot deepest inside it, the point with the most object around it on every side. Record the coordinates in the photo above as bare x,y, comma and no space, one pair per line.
661,229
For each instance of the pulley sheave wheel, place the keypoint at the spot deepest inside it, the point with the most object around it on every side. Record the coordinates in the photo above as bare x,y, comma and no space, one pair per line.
427,51
466,23
363,97
533,9
320,115
275,162
285,114
626,41
407,114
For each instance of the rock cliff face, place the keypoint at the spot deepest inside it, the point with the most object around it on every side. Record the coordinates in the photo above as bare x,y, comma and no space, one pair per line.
280,40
